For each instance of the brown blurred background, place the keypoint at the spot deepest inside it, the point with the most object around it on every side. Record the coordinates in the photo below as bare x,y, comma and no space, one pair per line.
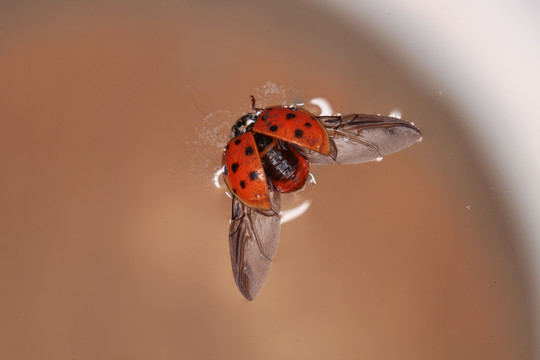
113,241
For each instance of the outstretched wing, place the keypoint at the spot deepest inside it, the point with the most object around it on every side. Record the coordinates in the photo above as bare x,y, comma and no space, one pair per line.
358,138
253,241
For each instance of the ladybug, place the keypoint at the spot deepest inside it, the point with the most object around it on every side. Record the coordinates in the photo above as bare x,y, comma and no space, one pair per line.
269,153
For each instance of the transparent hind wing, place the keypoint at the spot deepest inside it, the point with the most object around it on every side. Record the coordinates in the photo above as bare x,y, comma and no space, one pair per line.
253,242
359,138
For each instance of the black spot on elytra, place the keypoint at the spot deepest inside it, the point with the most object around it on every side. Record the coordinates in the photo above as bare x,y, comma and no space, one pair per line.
264,117
253,175
234,167
249,150
307,124
243,184
298,133
273,128
234,191
226,170
237,141
290,116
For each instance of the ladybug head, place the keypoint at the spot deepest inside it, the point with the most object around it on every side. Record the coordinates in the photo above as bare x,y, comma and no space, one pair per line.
244,124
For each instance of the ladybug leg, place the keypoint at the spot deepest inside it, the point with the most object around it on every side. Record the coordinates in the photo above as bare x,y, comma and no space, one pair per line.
311,179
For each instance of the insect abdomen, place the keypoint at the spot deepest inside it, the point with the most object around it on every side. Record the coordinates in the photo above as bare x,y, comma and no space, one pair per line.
284,166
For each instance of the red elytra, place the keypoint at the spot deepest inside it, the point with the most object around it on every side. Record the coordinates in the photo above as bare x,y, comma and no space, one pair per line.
294,125
273,132
244,173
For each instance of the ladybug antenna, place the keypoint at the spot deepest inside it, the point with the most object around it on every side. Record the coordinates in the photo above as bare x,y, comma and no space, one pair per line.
253,108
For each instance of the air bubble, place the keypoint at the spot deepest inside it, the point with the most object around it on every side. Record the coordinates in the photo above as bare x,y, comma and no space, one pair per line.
324,105
396,113
291,214
217,177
